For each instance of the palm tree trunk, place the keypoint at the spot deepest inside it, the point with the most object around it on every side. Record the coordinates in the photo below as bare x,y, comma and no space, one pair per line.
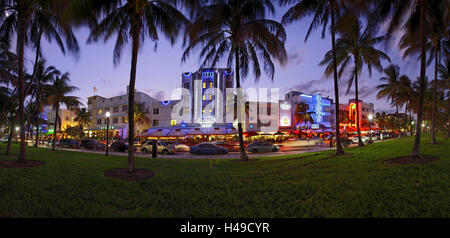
36,60
55,129
243,155
448,118
11,134
21,43
358,128
339,149
136,26
434,110
398,118
406,117
416,146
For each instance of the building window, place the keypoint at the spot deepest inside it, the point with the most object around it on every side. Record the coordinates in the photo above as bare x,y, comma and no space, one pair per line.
211,85
124,119
99,121
90,101
99,111
156,123
210,97
155,111
204,97
115,120
116,109
173,122
124,108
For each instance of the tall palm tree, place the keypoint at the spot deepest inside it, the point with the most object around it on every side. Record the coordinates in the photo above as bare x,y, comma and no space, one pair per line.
57,95
18,17
435,39
421,11
323,12
444,76
357,46
238,31
43,74
391,89
135,19
301,115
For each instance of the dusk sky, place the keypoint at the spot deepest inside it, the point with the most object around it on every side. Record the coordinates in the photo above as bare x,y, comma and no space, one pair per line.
160,72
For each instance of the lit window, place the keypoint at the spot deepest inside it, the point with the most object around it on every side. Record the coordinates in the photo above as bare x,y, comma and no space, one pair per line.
210,84
210,97
203,110
204,97
100,111
173,122
210,110
204,85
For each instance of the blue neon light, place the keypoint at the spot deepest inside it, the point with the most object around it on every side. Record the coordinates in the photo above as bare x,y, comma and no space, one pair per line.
308,96
227,74
165,103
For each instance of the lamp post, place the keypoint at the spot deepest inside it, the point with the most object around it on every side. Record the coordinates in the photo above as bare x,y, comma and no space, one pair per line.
370,117
107,115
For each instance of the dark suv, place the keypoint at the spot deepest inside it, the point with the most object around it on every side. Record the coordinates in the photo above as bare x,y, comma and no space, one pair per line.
69,143
90,144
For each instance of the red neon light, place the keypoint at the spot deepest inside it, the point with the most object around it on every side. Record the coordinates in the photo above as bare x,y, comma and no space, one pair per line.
351,108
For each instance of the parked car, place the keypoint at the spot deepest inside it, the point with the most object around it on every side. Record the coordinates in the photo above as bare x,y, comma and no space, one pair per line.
178,147
69,143
119,146
262,146
161,148
230,145
208,149
364,139
90,144
306,142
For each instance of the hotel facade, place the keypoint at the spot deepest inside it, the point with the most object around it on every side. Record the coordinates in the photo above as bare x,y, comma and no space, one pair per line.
203,115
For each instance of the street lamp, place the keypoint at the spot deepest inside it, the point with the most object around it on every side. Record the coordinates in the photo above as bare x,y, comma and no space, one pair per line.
370,117
107,115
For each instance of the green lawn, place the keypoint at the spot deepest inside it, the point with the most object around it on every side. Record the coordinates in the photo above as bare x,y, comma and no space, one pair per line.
361,185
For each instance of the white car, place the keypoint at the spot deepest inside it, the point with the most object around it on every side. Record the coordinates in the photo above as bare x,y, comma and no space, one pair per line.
305,142
364,139
181,147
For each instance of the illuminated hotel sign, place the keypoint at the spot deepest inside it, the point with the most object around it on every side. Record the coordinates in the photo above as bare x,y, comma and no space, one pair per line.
206,122
285,106
318,108
285,121
351,116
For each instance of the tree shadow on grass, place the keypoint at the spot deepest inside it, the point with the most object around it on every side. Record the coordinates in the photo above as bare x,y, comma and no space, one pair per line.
424,159
16,164
123,174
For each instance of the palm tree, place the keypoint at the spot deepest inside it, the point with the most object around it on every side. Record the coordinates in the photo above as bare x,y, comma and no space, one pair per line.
140,115
444,76
323,12
135,19
237,30
301,115
42,75
420,12
82,117
435,33
357,46
57,95
17,20
391,89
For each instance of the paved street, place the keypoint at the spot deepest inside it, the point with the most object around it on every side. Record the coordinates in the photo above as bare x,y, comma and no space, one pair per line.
186,155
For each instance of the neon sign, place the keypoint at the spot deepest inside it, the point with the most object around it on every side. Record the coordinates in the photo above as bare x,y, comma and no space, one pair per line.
285,121
318,108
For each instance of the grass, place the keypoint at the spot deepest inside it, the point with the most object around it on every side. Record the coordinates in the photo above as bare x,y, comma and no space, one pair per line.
72,184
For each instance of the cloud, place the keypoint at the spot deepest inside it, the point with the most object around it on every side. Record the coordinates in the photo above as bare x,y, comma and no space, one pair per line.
158,95
295,57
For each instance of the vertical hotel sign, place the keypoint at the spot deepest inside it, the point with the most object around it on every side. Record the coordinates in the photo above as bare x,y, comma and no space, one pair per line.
285,114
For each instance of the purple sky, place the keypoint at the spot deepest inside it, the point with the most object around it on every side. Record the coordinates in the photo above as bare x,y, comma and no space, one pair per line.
160,72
